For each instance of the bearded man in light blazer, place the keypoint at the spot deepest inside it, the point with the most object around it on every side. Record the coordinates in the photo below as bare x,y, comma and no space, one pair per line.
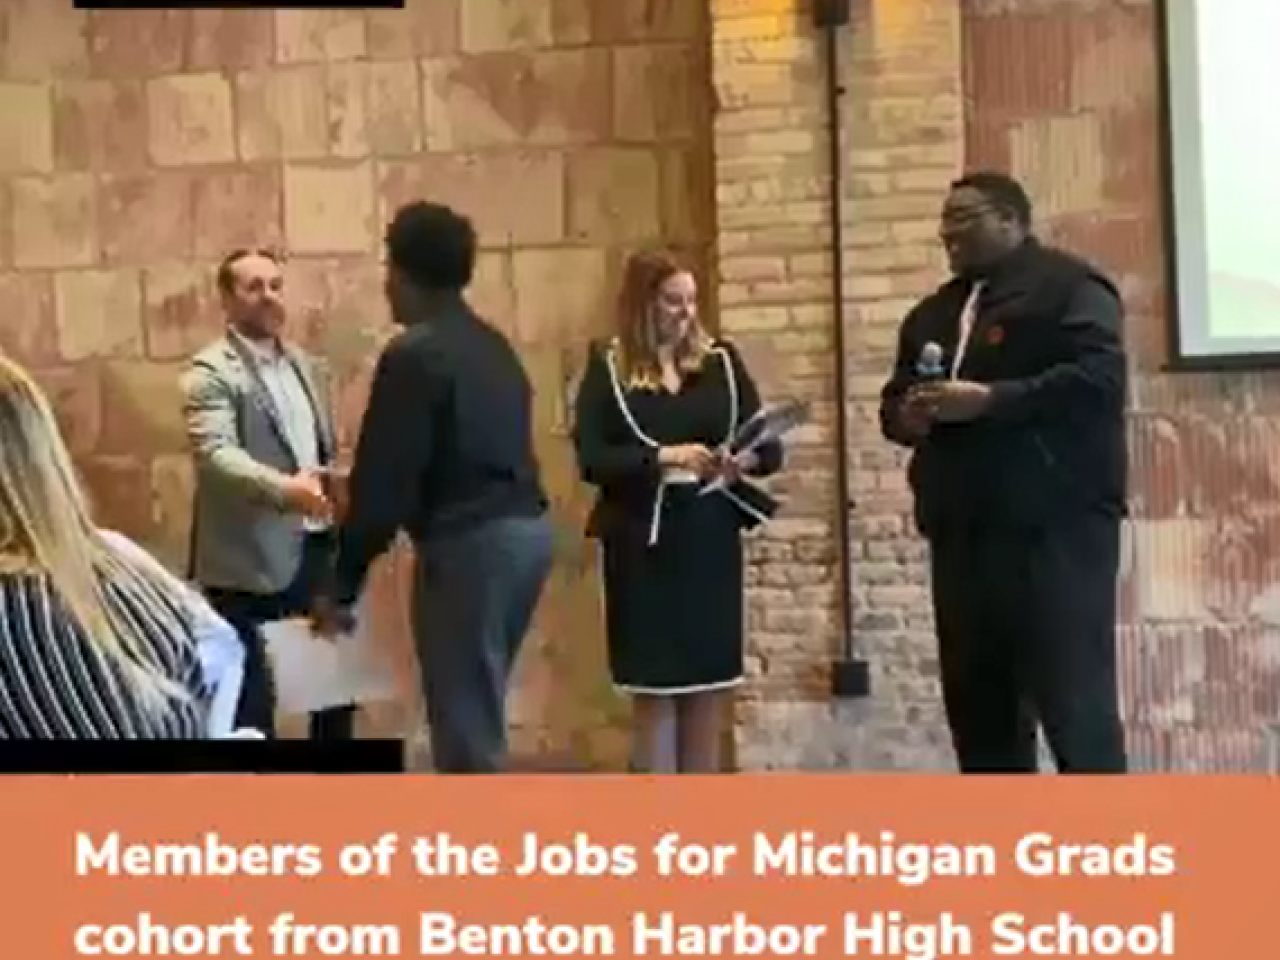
262,436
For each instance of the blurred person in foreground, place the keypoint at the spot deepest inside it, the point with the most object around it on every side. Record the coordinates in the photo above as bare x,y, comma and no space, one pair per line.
1019,473
261,431
97,639
656,405
446,454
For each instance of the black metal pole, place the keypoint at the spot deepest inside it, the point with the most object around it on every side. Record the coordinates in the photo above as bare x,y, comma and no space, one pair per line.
850,675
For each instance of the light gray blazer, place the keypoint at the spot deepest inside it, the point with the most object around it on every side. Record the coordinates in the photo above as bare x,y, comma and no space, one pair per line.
242,539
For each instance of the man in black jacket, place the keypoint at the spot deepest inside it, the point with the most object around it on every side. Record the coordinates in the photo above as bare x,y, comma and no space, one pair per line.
446,454
1019,474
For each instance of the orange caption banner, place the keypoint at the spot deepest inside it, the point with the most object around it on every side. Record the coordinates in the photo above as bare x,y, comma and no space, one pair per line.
787,865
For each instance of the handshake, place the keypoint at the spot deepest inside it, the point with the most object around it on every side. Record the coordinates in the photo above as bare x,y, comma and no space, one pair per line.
318,494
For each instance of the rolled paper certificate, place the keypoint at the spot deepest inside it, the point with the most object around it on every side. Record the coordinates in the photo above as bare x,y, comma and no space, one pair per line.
771,422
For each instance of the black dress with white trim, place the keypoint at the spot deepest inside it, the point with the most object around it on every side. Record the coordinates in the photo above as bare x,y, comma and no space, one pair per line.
672,557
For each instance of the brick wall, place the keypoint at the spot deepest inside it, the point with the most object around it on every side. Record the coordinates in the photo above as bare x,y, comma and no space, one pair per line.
1067,96
137,147
901,122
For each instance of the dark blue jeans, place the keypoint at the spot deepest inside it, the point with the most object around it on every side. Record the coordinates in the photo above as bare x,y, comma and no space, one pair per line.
248,611
474,599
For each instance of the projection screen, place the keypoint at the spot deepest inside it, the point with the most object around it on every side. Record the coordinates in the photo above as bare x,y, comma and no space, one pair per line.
1222,79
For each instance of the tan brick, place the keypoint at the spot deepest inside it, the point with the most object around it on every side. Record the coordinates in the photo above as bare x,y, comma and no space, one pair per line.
320,35
1104,69
773,144
395,107
55,221
776,239
238,207
795,290
43,41
137,43
190,120
687,194
629,20
119,487
572,22
764,24
615,195
355,297
513,197
561,294
398,182
146,218
746,268
231,39
6,225
172,491
142,408
753,85
420,29
75,393
918,233
347,97
181,312
374,107
26,135
463,101
492,291
489,25
574,87
657,92
306,283
282,114
329,208
756,118
1061,161
735,320
338,309
100,125
546,98
27,333
764,214
733,167
99,313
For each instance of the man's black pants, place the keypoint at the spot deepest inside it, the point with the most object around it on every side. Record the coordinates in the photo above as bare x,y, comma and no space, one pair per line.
248,611
1026,625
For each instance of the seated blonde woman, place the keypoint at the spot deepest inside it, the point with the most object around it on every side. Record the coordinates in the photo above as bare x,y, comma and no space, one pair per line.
97,639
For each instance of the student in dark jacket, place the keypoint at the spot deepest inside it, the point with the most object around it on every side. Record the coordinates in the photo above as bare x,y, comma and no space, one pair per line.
446,455
654,409
1019,474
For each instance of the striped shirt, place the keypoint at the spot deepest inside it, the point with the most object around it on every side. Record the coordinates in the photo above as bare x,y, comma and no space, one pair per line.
56,685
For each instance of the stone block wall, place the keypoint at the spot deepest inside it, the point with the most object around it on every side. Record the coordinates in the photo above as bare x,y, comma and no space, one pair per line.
139,147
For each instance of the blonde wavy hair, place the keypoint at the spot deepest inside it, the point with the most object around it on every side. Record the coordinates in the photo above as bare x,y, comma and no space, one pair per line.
637,343
45,528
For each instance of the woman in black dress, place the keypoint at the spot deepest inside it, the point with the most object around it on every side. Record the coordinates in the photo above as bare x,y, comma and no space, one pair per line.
655,410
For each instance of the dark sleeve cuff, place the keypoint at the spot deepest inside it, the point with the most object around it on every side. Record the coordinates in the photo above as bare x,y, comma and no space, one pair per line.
1005,395
349,575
